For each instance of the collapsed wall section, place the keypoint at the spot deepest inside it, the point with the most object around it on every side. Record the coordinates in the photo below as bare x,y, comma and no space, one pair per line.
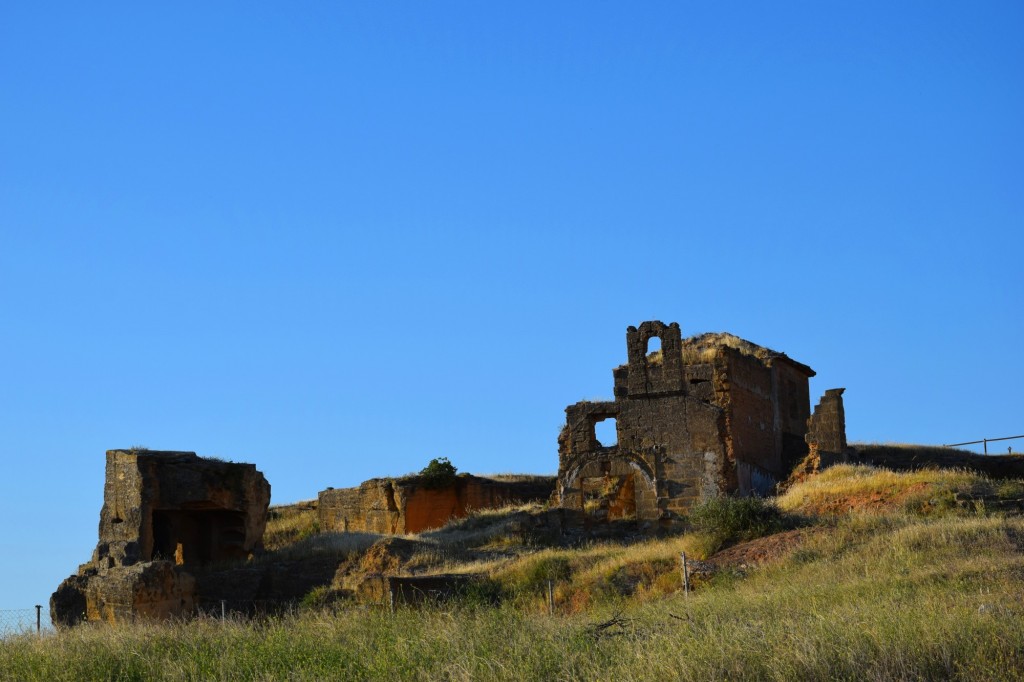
826,429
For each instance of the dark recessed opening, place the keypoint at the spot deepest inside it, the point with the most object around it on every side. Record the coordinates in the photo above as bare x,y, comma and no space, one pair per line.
191,537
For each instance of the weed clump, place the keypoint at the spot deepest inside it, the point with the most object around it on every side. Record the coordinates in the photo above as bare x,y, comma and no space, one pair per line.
723,520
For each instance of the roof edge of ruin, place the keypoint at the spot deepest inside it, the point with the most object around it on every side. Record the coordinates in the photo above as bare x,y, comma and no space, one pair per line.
742,346
157,453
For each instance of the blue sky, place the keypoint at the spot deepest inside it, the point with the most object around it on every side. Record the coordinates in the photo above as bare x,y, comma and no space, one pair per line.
340,240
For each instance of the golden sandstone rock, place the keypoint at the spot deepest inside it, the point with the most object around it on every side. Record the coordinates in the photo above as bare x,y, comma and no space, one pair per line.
163,514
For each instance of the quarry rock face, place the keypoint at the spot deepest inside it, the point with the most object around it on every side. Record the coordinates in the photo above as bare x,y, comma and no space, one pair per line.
153,590
699,417
164,513
399,506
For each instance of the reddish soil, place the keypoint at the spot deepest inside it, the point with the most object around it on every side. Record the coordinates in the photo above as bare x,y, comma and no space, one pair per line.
868,501
761,550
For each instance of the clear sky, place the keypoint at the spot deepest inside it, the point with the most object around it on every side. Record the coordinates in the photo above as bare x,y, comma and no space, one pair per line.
340,239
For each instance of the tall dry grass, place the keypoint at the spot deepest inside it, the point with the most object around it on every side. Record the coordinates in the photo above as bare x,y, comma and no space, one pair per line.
886,594
904,598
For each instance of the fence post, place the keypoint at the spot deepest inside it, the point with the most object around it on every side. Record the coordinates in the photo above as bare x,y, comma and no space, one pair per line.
551,597
39,619
391,596
223,610
985,444
686,574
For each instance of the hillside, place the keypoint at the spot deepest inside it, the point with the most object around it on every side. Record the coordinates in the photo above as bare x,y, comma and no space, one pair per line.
855,573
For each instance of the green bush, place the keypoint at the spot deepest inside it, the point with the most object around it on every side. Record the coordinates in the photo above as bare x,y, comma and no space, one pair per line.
730,519
438,473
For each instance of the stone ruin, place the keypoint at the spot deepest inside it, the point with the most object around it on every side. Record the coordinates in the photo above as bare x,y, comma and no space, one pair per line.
826,431
164,514
699,417
409,505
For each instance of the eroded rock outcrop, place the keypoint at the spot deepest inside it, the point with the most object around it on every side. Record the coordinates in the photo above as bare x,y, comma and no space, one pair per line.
164,513
409,505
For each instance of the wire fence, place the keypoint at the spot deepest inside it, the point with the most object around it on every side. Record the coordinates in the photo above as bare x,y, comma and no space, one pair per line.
20,621
984,443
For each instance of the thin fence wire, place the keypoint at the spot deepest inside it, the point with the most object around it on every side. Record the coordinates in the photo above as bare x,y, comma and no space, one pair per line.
984,443
18,622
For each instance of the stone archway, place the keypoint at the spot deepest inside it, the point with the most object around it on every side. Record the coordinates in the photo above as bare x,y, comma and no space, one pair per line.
611,487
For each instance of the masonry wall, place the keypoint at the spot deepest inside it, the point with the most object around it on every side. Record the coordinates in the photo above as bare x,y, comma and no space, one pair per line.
745,388
732,422
794,407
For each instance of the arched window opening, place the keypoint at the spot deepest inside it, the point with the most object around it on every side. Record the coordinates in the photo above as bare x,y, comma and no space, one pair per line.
654,350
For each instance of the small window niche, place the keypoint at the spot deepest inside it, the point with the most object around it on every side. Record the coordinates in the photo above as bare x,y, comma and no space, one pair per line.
606,433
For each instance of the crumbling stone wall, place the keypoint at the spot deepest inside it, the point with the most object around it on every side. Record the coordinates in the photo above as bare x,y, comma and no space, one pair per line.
163,513
706,415
409,505
826,429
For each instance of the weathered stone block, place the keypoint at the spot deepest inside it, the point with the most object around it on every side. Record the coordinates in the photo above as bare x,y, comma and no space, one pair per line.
163,512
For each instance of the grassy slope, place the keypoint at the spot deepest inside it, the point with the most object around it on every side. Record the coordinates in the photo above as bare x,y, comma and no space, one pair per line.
899,576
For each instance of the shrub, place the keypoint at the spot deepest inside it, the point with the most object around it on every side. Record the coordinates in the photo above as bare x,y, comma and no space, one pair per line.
728,519
438,473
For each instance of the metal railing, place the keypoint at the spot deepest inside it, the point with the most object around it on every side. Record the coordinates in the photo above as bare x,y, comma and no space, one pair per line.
983,441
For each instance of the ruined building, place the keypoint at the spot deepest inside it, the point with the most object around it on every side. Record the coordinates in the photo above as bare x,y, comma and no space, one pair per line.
698,417
693,418
164,514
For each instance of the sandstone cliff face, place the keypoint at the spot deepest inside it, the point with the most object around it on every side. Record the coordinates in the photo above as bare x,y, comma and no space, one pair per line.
398,506
163,513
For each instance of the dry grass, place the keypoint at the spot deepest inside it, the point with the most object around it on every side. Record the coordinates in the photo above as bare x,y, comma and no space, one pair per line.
340,545
503,527
711,341
545,479
889,591
878,597
598,572
290,523
704,348
847,488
